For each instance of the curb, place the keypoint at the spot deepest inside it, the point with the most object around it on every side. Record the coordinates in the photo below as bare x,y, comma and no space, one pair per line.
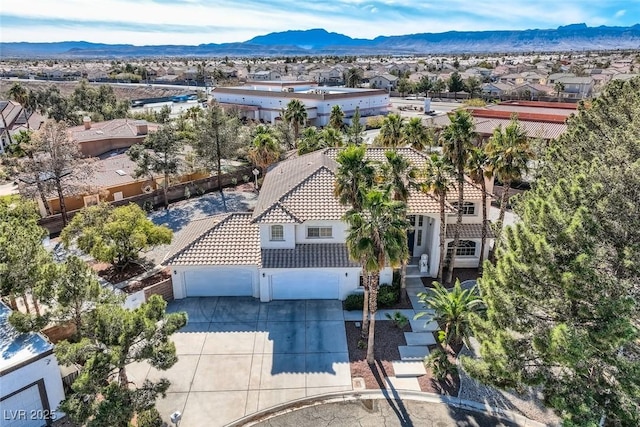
337,397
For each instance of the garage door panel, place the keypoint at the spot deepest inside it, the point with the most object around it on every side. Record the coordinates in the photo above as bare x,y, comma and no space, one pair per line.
23,409
218,282
305,285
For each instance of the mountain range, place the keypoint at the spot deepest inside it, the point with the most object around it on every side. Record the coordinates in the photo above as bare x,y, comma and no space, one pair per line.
575,37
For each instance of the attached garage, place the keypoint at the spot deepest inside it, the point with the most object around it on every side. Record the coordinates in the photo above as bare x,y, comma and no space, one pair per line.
301,284
21,408
30,381
219,281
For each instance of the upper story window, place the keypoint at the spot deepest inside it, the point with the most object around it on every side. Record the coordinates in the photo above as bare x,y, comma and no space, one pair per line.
465,248
276,233
468,208
319,232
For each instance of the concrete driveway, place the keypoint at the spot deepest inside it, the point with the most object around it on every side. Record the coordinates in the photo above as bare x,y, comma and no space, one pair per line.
238,356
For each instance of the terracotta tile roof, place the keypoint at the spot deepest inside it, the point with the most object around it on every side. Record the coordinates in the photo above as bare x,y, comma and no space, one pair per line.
188,234
285,175
420,203
233,241
302,188
314,198
471,191
323,255
468,231
277,214
118,128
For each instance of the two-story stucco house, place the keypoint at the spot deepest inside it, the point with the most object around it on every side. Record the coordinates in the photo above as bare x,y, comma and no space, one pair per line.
292,246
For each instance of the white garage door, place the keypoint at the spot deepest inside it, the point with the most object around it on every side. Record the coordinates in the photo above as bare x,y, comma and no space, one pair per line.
305,285
218,282
23,409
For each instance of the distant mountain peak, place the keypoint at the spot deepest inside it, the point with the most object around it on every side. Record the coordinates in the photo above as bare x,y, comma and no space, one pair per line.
318,41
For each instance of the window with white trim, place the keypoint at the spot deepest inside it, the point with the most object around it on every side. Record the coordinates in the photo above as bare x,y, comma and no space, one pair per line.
319,232
465,248
468,208
276,233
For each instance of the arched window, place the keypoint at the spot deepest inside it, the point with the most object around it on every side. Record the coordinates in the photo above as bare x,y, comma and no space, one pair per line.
468,208
465,248
277,233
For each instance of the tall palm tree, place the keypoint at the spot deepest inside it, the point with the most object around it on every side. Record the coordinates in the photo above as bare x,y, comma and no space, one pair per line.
453,310
18,93
457,139
354,178
477,169
508,151
265,148
415,134
310,140
296,116
377,235
331,137
391,134
436,178
336,118
399,177
353,77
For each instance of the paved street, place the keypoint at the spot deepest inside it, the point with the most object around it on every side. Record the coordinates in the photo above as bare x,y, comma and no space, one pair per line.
238,356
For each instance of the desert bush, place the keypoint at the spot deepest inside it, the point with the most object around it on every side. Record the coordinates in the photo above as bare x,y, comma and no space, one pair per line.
354,302
439,363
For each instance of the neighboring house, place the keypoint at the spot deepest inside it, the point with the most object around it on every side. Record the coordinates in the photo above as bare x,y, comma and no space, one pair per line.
266,75
13,119
531,90
292,246
331,76
387,82
30,381
98,138
496,90
577,87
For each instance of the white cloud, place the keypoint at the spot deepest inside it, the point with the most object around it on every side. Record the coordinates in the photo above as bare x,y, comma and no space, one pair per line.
620,13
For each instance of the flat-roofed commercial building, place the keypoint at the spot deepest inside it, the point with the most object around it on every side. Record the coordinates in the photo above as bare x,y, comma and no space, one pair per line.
264,101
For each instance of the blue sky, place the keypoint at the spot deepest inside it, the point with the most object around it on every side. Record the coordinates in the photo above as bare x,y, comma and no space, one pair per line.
218,21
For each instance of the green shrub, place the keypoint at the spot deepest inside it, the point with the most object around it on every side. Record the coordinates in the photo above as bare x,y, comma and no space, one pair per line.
374,122
399,320
354,302
245,178
147,205
149,418
388,296
438,361
234,181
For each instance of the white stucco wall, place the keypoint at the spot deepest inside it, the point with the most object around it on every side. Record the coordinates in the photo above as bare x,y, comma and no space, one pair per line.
339,231
179,289
289,241
46,369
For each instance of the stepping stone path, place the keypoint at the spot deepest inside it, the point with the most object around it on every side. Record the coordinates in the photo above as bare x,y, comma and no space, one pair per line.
411,366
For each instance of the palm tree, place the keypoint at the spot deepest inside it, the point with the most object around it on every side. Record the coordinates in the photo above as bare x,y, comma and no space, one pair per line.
309,141
336,118
453,310
295,115
436,179
377,235
477,169
354,177
265,149
18,93
391,134
508,153
457,139
415,134
331,137
399,176
353,77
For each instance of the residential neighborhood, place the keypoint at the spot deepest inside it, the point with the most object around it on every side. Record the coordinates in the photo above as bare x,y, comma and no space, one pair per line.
406,239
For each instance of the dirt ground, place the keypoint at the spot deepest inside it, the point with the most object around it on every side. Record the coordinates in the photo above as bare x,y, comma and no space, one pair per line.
388,338
122,92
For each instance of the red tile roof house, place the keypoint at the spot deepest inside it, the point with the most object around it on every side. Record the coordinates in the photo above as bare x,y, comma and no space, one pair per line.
292,246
